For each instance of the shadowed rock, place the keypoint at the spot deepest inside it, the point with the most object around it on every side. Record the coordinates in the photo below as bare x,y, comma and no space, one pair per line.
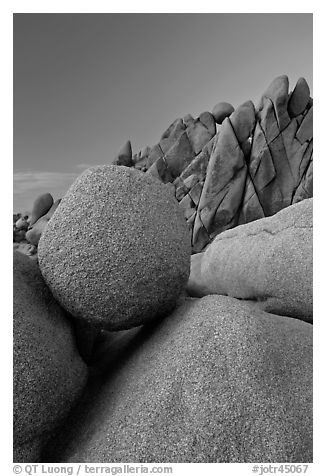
124,156
299,98
222,110
243,121
216,381
41,206
49,374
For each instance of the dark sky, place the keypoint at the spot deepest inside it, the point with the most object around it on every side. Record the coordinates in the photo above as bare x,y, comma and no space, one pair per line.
86,83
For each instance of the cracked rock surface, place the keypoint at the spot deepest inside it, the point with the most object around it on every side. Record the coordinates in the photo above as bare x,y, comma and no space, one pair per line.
252,163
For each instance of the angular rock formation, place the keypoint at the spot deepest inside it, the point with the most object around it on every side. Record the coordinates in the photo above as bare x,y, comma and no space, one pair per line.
117,251
250,164
124,156
231,166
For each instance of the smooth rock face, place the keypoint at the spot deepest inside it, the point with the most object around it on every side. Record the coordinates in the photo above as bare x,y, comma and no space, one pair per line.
221,111
117,251
243,121
268,261
299,98
223,188
305,131
208,120
41,206
35,232
216,381
124,156
49,374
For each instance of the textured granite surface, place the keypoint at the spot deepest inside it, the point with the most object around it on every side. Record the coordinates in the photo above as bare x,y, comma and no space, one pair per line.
117,250
216,381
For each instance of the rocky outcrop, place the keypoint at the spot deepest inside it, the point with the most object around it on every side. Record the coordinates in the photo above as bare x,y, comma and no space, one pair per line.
49,374
220,378
213,382
117,251
235,166
231,166
268,261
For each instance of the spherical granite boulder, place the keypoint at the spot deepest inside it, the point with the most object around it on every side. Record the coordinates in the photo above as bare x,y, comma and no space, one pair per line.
117,251
221,111
216,381
41,206
49,374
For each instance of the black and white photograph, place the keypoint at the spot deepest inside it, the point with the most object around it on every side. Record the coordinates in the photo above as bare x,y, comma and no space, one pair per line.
162,241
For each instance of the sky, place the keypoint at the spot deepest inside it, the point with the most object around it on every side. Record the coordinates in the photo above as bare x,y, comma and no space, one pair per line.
84,84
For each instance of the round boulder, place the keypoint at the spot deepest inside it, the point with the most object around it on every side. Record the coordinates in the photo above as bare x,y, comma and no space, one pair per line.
42,204
21,224
214,382
49,374
221,111
117,251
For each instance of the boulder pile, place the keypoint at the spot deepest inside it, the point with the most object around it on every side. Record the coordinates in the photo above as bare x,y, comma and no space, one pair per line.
231,167
168,316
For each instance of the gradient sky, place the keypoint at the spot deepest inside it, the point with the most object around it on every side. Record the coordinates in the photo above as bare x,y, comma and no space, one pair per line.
86,83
